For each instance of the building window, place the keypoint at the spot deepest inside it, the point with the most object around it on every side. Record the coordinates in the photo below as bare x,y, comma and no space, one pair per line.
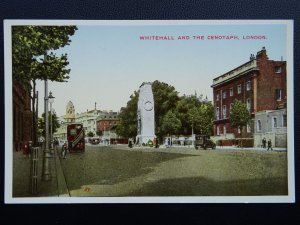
249,104
274,122
217,97
284,121
248,85
224,111
258,125
278,94
224,94
217,113
231,91
277,69
239,89
248,128
231,105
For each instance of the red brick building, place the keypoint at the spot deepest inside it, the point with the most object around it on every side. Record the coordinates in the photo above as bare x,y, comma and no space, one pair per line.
259,83
107,121
22,116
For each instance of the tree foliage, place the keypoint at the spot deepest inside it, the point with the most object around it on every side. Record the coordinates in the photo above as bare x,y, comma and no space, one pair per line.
186,110
90,134
99,133
165,99
170,123
41,123
239,115
195,113
32,52
128,118
205,118
33,57
169,108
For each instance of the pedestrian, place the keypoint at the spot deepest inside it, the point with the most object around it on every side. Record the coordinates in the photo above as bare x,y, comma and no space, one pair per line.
221,143
130,143
270,145
64,150
156,143
169,142
264,142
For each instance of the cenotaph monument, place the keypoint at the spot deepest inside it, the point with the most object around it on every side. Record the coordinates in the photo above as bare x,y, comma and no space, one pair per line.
145,114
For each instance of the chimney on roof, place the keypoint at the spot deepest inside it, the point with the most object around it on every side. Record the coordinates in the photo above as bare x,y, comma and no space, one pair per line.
262,53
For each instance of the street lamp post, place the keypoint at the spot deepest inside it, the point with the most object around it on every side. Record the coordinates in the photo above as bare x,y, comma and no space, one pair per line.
46,175
51,100
193,136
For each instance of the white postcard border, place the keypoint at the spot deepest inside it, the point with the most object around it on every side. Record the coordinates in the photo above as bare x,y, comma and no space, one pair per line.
290,198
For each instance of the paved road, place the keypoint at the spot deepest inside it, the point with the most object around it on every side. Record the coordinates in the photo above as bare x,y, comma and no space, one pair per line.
120,171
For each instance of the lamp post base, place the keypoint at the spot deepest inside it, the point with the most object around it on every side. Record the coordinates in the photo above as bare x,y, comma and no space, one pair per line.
46,176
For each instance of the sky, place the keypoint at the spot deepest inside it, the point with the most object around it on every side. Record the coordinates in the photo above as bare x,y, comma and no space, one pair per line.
108,63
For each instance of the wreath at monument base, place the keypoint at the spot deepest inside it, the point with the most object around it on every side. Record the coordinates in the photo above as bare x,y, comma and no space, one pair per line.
150,143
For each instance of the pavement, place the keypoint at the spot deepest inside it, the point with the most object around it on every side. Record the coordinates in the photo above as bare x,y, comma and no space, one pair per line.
23,185
187,147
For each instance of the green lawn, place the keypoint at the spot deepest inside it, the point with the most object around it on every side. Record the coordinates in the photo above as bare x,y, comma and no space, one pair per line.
197,173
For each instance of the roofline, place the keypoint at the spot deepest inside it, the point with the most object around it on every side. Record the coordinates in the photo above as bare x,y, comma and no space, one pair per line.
232,78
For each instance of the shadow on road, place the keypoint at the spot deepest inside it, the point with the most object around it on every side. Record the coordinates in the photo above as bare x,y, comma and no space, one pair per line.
111,166
199,186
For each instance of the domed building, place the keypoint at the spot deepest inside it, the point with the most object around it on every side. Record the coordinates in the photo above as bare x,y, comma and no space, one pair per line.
70,113
61,133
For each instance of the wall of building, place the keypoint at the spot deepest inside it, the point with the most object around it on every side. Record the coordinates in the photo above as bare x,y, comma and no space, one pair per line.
263,76
268,80
22,116
266,129
244,94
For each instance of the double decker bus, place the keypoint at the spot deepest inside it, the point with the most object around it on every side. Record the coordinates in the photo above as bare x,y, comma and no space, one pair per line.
75,137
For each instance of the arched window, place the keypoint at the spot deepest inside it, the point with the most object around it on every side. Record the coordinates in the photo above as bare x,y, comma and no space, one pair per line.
258,125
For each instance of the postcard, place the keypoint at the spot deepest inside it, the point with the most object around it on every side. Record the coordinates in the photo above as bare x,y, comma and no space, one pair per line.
149,111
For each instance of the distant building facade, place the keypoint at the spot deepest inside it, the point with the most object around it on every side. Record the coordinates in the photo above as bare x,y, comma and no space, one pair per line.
259,83
88,120
92,121
107,123
68,118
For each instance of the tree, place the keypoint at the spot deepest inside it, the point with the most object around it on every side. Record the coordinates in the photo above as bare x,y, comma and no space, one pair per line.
90,134
204,118
29,43
239,116
41,123
33,57
128,118
170,123
99,133
165,99
195,113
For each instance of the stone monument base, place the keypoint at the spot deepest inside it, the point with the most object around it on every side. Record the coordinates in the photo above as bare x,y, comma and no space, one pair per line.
141,139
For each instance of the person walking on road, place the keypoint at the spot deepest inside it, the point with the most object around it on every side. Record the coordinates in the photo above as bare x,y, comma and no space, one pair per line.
264,142
64,150
269,145
169,142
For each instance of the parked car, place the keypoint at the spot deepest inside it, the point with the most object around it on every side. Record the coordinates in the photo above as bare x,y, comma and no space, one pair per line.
204,141
94,140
